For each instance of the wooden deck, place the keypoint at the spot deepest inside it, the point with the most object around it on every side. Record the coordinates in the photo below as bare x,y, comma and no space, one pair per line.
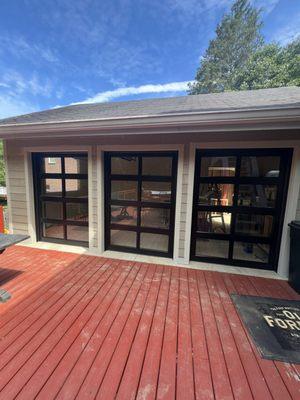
94,328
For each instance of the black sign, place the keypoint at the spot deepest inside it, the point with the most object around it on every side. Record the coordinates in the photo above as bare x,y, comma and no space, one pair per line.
274,325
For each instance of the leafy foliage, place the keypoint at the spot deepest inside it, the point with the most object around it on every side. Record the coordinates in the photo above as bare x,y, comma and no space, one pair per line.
2,166
238,59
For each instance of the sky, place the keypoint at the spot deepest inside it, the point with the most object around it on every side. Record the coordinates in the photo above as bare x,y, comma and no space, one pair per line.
59,52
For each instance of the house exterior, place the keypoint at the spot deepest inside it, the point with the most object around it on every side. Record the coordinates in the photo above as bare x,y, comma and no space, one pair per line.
210,178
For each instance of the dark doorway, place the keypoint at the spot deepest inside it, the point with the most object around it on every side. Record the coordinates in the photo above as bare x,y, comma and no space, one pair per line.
61,197
140,196
239,203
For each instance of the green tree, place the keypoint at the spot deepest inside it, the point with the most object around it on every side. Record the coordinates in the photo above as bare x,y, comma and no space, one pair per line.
237,38
2,166
269,67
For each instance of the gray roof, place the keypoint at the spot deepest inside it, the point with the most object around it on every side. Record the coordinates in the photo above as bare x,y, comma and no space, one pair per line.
242,100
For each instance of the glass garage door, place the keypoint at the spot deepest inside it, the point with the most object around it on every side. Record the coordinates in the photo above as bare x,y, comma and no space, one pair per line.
61,197
239,202
140,195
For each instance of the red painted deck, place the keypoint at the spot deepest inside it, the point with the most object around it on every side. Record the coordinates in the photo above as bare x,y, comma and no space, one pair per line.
93,328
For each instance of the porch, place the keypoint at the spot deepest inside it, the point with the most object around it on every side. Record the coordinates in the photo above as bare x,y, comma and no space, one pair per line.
89,327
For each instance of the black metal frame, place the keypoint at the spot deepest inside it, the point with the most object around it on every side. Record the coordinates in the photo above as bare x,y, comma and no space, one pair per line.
277,212
38,175
139,203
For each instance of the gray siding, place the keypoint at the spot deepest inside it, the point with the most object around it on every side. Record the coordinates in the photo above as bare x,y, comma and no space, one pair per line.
298,208
184,198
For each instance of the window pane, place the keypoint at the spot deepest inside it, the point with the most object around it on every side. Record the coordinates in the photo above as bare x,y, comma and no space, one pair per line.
264,166
251,224
76,165
52,210
218,166
51,165
215,222
156,191
155,217
216,194
123,215
80,233
251,252
123,190
55,231
159,166
212,248
152,241
77,212
124,165
76,188
51,187
122,238
257,195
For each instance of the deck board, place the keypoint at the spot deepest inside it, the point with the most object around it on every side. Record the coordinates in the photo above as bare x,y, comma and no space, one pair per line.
88,327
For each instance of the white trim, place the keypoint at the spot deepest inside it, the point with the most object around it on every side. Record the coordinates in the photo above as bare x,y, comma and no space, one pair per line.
30,200
151,147
8,193
100,200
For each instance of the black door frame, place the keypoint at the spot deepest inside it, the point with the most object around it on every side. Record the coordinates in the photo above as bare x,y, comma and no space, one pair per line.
277,212
38,174
139,203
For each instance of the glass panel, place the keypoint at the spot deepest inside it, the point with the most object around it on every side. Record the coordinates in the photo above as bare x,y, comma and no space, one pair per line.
156,191
251,224
155,217
218,166
123,190
123,215
51,187
77,212
159,166
251,252
122,238
215,222
212,248
152,241
80,233
124,165
257,195
52,210
76,165
264,166
76,188
55,231
216,194
51,165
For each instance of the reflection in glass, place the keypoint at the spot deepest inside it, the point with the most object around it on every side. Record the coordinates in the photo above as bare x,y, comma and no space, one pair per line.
153,241
76,165
216,194
125,165
213,222
51,187
123,190
79,233
77,212
159,166
256,252
257,195
155,217
156,191
76,188
125,215
252,224
218,166
212,248
51,165
55,231
52,210
260,166
122,238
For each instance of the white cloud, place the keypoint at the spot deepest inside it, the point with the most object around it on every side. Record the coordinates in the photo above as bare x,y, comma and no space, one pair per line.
133,90
266,5
10,106
289,32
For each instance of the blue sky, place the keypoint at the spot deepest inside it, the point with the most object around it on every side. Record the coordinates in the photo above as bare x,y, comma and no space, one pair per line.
59,52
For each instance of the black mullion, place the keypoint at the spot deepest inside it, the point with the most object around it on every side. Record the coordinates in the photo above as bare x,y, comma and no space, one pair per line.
64,196
234,204
138,222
